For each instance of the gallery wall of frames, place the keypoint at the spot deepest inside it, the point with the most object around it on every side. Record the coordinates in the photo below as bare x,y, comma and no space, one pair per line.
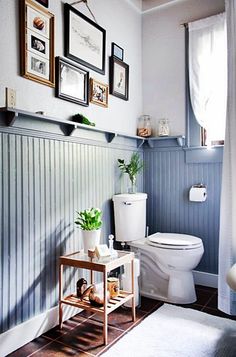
84,49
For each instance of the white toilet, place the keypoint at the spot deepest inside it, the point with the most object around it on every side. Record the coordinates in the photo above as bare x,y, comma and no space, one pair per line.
167,259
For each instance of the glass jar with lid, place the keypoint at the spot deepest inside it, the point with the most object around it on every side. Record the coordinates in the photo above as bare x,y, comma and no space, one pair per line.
144,126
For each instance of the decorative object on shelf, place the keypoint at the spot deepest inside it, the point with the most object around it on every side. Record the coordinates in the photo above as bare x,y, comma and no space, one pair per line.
80,118
72,82
95,294
113,252
144,126
98,93
119,78
113,287
81,286
102,251
163,127
37,43
90,222
85,40
91,253
132,169
43,2
117,51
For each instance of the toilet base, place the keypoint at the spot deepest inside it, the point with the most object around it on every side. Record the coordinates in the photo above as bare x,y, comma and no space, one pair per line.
179,291
181,288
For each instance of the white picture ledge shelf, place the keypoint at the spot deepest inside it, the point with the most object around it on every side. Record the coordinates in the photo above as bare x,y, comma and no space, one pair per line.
11,115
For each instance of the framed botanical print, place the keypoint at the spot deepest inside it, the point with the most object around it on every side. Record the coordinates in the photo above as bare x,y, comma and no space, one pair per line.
98,93
37,43
119,78
85,41
72,82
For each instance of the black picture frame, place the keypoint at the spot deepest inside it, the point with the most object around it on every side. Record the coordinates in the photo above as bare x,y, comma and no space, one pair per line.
43,2
85,41
119,78
117,51
78,92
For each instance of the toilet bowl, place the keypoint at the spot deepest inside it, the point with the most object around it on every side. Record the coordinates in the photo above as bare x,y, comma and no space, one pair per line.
167,259
170,257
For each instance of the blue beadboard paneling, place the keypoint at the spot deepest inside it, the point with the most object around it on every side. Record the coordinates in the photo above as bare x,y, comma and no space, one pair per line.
167,180
42,183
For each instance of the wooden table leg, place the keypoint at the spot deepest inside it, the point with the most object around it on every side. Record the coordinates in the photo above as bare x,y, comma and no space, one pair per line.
105,316
60,295
133,290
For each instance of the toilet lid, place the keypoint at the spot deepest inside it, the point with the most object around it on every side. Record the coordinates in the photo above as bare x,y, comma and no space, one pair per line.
174,241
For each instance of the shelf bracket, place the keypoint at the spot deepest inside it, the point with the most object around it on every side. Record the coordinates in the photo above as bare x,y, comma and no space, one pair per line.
11,117
70,129
140,142
181,141
150,143
110,136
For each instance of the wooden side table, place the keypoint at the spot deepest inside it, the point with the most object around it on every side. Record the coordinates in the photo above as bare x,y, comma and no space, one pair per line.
104,265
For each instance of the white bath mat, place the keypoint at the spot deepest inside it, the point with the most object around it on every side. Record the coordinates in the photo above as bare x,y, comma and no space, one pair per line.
173,331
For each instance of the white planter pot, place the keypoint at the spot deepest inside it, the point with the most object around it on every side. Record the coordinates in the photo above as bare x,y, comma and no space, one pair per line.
90,239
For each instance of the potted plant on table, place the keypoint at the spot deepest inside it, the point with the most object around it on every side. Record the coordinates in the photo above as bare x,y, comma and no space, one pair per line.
90,222
132,169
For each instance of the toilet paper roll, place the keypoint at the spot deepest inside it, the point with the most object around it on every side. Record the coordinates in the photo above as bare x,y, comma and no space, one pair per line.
127,268
197,194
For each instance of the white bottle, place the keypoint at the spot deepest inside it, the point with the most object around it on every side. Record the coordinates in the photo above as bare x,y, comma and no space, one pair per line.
113,252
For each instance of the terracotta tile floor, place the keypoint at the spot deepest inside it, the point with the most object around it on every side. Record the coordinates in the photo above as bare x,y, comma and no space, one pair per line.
82,335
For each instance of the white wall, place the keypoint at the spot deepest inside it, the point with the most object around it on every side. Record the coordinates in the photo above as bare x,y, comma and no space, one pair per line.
164,58
122,22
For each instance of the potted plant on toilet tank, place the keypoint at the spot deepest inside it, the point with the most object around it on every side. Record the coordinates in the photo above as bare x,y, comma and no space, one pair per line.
90,222
131,168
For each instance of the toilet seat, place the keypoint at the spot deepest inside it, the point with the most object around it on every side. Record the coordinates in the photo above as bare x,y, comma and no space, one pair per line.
174,241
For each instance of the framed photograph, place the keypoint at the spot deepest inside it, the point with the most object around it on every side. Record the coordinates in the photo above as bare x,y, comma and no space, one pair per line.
117,51
98,93
37,43
85,41
119,78
43,2
72,82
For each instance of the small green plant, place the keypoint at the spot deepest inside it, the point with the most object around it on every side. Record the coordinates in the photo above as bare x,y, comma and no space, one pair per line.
132,168
89,219
80,118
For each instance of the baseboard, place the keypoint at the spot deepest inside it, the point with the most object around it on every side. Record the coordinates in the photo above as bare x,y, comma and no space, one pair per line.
205,279
21,334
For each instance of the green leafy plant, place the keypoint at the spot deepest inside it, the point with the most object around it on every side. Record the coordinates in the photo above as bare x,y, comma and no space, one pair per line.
89,219
132,168
80,118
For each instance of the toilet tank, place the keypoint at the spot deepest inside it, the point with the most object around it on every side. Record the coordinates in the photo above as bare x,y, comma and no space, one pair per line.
130,216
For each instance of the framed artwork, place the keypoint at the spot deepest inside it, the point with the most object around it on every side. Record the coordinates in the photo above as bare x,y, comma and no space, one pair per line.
98,93
43,2
85,41
72,82
37,43
117,51
119,78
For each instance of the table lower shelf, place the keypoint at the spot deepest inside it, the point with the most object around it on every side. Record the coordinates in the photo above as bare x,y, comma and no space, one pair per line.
112,304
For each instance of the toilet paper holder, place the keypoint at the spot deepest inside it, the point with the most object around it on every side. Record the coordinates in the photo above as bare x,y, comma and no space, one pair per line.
198,193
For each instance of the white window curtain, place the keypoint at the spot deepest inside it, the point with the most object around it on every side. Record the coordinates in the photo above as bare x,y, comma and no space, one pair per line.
208,73
227,245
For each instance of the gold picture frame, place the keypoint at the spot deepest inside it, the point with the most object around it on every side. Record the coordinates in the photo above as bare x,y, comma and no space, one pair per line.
37,43
99,93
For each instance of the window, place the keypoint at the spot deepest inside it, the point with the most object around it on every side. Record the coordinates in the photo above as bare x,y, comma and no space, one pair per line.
207,75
